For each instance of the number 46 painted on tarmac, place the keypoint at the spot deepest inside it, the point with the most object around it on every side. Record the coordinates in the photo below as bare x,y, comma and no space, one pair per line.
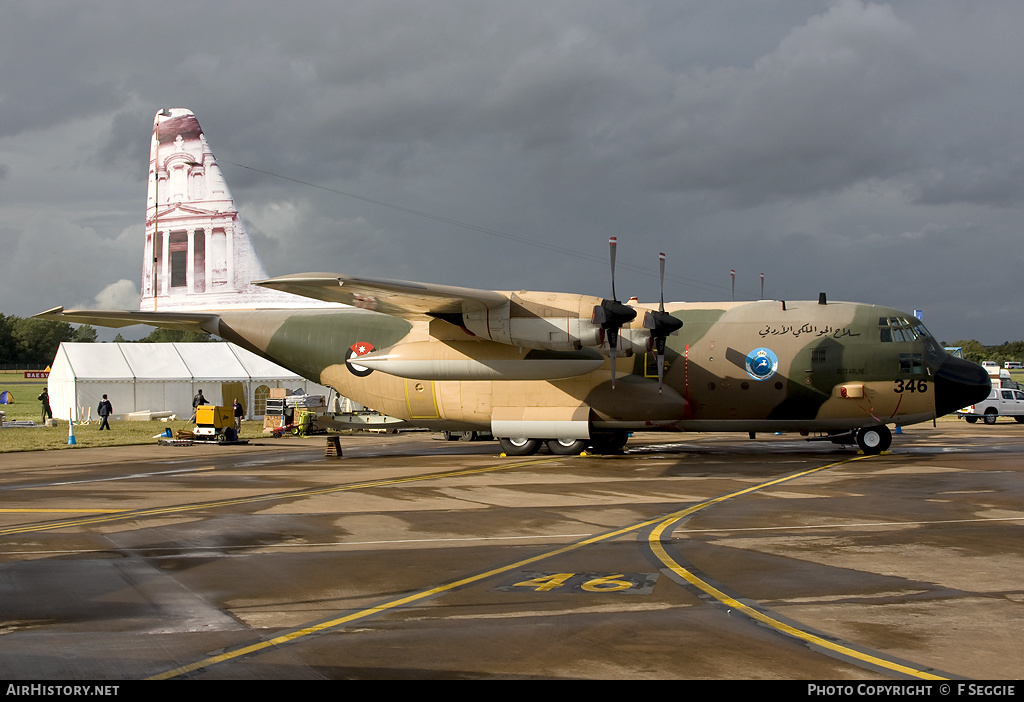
625,583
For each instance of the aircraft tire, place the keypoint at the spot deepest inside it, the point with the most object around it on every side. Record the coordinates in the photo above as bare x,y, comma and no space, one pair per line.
991,416
567,447
520,446
874,440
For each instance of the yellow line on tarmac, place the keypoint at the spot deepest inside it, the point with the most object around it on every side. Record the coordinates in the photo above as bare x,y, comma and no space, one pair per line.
654,541
59,511
426,594
394,604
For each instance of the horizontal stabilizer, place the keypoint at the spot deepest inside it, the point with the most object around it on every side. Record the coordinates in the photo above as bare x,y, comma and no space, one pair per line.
394,297
183,321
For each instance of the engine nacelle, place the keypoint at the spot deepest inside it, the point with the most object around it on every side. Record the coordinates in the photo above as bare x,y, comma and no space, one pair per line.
555,321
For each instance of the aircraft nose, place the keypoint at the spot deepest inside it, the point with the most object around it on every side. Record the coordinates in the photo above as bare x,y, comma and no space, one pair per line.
959,383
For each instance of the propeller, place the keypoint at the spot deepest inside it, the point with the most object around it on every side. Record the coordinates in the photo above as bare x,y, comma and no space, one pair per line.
661,324
611,314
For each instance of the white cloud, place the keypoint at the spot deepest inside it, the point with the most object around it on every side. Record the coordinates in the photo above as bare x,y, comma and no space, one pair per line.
122,295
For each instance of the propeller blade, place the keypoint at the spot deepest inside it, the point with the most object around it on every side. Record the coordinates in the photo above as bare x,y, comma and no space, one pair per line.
612,243
613,337
661,282
661,372
661,324
611,314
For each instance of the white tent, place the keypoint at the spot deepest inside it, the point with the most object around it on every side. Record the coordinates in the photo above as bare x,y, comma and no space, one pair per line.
163,378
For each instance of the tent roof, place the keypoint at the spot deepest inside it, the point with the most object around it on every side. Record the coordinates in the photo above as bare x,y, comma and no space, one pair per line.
161,362
105,362
259,367
213,361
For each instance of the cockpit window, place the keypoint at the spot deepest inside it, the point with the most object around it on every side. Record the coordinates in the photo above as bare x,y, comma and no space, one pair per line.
902,329
899,329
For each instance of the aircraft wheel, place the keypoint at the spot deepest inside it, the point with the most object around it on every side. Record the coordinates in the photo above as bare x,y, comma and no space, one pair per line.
468,436
567,447
1020,419
991,416
609,441
874,440
520,446
971,420
449,435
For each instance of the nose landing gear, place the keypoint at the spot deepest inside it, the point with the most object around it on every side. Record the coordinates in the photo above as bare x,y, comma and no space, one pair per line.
874,440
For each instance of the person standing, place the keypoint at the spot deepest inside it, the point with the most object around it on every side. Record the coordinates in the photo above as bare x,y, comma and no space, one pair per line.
196,401
237,410
44,397
104,411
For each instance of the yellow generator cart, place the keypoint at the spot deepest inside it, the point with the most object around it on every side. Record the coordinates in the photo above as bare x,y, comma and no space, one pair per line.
215,423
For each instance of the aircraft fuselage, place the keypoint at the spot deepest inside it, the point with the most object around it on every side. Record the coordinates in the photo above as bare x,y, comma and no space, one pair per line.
755,366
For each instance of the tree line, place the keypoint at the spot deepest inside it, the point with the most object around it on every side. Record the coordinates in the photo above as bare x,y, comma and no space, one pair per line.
28,341
978,352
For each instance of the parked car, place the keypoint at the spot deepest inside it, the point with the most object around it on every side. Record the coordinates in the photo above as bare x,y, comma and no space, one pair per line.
1001,402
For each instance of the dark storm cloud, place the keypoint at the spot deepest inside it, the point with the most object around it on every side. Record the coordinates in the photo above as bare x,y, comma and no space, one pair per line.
869,148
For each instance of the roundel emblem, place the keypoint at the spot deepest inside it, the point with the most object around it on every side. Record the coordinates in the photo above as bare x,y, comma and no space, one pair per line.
762,364
360,348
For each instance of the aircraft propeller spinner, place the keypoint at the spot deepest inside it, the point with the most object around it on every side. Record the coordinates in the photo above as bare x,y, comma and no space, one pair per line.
661,324
611,314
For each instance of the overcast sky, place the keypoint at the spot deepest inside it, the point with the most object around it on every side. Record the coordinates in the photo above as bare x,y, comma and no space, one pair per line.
871,151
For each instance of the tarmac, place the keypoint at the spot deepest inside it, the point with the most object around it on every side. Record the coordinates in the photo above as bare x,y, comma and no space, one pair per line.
690,556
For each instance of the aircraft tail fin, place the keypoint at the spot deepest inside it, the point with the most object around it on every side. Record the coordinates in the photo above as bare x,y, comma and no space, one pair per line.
197,253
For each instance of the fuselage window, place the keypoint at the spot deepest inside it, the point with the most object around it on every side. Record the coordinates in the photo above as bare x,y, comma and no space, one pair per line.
910,364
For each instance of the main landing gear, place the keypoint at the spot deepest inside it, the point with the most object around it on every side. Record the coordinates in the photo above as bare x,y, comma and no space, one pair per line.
600,442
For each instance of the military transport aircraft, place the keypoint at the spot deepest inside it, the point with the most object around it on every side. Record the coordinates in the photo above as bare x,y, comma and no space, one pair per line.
532,368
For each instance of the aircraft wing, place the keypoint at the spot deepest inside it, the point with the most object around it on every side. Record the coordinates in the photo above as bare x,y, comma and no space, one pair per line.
184,321
398,298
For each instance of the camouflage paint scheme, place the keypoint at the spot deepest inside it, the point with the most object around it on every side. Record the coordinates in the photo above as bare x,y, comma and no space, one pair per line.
820,348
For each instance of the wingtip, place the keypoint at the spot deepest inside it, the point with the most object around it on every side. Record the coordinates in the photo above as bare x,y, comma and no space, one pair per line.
54,310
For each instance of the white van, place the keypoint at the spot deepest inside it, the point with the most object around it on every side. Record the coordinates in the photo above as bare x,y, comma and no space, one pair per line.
1009,365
